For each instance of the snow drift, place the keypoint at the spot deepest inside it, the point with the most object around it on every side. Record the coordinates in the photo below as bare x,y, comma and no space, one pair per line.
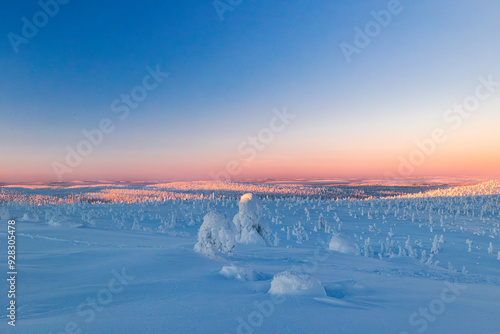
241,273
290,283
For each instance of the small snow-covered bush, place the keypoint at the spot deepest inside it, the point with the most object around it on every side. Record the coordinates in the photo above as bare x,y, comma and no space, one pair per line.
249,228
435,245
30,216
216,234
290,283
342,243
241,273
63,221
4,213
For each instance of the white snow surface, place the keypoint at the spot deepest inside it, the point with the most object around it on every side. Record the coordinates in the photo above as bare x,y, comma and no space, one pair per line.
89,265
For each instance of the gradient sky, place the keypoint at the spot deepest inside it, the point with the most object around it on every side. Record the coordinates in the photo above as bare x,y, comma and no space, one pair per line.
226,77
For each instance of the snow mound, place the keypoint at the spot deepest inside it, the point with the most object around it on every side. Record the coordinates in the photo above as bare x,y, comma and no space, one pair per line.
216,234
290,283
241,273
342,243
249,229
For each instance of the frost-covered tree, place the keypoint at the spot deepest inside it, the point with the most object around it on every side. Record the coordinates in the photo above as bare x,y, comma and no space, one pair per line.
321,222
423,256
299,232
401,252
435,245
390,233
249,227
308,216
216,234
382,248
469,242
367,249
408,245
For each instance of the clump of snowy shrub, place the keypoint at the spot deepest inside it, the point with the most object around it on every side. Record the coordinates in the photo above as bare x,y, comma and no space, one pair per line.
321,222
249,227
469,243
291,283
4,213
299,231
216,234
340,242
62,221
435,245
30,216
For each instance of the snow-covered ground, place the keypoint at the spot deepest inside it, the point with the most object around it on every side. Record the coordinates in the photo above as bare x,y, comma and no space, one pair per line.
287,259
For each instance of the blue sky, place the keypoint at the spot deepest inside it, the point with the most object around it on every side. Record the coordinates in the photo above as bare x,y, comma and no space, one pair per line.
227,76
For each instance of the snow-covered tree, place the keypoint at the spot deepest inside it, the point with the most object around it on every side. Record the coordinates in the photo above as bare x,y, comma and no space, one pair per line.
367,249
249,227
469,242
435,245
216,234
321,222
